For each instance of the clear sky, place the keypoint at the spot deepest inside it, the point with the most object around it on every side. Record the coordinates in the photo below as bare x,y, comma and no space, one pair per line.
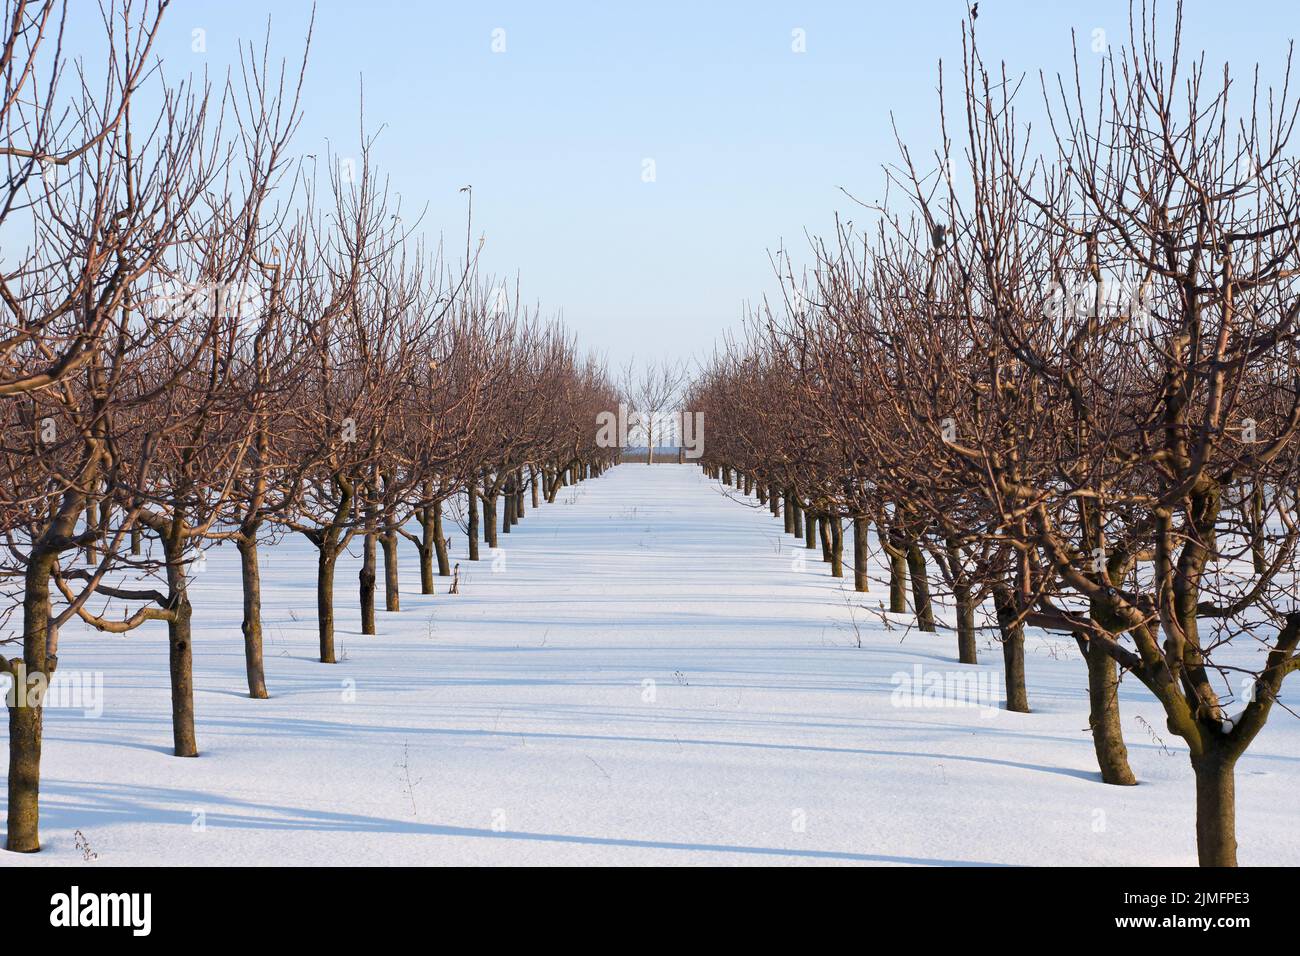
750,140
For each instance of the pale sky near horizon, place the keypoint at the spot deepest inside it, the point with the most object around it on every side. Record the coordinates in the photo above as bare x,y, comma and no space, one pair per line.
750,139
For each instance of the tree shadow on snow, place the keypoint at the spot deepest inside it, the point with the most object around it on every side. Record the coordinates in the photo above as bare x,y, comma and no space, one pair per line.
76,805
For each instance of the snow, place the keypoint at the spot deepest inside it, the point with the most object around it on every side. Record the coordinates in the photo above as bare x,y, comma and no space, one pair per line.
645,678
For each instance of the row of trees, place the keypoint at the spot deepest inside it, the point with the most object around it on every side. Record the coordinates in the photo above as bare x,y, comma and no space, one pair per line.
1061,382
205,342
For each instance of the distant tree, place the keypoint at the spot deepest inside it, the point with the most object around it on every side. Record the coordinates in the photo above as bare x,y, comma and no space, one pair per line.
652,392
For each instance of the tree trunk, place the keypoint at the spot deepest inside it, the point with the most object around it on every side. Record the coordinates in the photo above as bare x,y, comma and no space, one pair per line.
1256,529
789,515
90,550
182,674
897,582
860,551
837,548
26,717
425,549
809,530
824,533
24,777
392,592
1103,715
490,519
967,652
105,518
962,597
1216,809
920,587
440,542
1013,662
325,602
1013,654
895,545
532,484
251,577
366,579
472,518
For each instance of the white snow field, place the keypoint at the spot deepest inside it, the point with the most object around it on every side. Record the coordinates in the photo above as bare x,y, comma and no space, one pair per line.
646,679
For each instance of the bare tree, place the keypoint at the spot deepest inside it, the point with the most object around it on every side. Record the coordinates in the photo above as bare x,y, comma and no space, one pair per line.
651,393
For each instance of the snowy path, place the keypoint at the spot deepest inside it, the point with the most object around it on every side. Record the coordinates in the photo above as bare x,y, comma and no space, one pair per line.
646,680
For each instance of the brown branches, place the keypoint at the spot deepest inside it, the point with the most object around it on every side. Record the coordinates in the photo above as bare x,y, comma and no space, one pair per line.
1072,376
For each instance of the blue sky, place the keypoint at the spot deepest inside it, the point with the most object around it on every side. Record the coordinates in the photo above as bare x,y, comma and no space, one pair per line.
750,140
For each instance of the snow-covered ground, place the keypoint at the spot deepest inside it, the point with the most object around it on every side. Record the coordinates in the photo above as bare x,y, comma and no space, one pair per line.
650,674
